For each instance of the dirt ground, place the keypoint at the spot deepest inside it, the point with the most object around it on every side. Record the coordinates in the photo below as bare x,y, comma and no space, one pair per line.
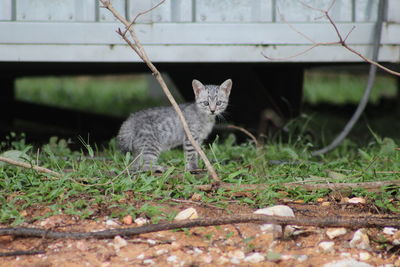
227,245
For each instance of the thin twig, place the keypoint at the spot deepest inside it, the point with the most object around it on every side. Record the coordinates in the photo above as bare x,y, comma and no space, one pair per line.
140,14
29,166
243,130
341,41
332,221
140,51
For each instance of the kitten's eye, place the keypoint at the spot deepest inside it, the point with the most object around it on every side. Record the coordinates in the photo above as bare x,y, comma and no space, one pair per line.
219,103
205,103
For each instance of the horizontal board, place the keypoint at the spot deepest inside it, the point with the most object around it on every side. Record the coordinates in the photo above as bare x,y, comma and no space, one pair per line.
207,33
188,53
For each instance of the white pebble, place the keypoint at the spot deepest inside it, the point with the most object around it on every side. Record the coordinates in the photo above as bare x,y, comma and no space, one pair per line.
278,210
111,223
222,260
389,230
151,242
172,258
148,261
207,259
347,263
335,232
187,214
119,242
161,252
254,258
140,257
360,240
197,251
302,258
141,221
356,200
327,246
345,255
364,256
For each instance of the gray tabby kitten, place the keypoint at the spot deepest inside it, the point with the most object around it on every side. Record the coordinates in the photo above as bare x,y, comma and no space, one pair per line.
149,132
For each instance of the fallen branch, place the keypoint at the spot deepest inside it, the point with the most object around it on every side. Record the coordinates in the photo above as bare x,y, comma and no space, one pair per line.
21,253
29,166
333,221
137,46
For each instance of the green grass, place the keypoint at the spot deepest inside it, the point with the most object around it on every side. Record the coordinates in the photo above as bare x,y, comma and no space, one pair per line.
340,87
96,181
112,95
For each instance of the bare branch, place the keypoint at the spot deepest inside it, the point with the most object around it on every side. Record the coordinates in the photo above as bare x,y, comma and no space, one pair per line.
341,41
140,51
333,221
140,14
29,166
243,130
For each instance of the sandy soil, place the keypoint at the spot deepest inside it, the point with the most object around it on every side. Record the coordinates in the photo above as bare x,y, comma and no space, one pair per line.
228,245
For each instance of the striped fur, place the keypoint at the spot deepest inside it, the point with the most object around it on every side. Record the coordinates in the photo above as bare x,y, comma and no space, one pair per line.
149,132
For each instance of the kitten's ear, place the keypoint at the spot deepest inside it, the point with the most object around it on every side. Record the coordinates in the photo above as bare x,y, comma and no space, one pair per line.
197,87
226,86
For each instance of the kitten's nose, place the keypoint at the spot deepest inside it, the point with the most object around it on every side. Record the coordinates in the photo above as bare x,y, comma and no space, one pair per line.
212,111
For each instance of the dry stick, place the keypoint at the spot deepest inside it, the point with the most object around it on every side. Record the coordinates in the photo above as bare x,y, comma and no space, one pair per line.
243,130
21,253
29,166
140,51
332,221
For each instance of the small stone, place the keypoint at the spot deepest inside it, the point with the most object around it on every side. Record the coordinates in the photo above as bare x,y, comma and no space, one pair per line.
82,246
207,259
335,232
111,223
364,256
141,221
151,242
327,246
127,220
222,260
345,255
196,197
140,257
347,263
197,251
254,258
360,240
119,243
236,254
187,214
356,200
326,203
148,262
278,210
389,230
161,252
302,258
172,258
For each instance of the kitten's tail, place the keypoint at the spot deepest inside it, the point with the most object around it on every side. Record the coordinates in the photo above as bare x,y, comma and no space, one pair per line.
125,138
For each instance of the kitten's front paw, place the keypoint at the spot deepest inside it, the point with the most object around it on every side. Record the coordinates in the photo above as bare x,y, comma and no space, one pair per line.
154,168
192,167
